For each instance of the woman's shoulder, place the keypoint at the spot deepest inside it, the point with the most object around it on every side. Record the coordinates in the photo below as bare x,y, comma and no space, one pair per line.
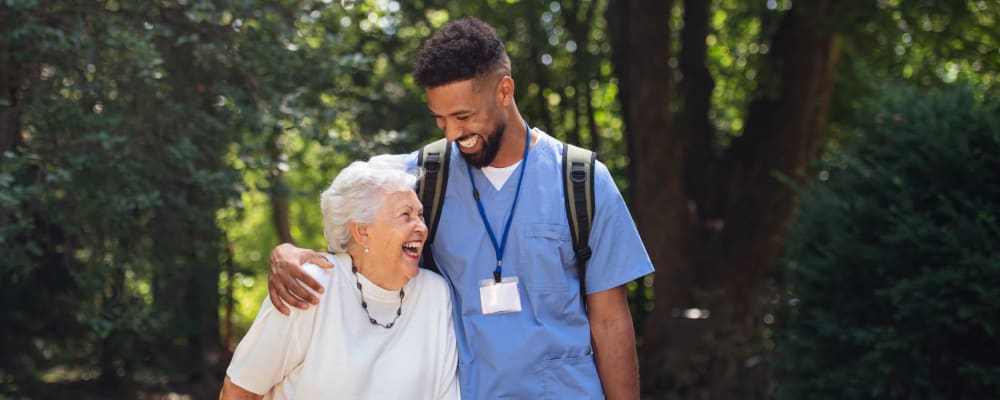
434,285
325,276
431,278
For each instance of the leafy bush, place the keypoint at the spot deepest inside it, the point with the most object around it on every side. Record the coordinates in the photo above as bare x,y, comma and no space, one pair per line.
109,186
894,262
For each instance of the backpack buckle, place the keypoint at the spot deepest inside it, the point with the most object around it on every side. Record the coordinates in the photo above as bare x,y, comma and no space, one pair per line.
583,254
433,163
577,173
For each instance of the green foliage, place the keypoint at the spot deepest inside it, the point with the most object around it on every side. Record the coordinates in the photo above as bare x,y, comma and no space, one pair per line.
920,42
146,143
739,39
110,188
893,263
926,41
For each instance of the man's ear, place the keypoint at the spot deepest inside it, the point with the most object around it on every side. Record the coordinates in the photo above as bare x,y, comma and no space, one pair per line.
505,91
359,232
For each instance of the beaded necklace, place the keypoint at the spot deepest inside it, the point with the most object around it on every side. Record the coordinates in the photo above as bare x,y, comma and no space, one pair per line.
364,304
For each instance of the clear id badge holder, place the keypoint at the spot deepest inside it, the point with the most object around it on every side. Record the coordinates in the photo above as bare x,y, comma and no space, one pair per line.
499,297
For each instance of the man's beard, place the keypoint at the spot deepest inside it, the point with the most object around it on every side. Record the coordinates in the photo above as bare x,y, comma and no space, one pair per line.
491,146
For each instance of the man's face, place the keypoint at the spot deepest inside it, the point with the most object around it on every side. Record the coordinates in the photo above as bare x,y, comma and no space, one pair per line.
470,118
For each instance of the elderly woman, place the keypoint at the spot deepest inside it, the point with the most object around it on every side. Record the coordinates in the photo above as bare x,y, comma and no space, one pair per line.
383,330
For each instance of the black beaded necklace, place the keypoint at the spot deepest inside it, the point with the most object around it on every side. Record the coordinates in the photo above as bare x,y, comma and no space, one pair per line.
364,304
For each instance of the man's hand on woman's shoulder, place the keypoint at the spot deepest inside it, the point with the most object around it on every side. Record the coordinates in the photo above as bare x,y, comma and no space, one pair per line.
287,282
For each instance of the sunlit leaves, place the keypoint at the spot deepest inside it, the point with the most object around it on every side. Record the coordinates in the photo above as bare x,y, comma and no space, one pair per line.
739,35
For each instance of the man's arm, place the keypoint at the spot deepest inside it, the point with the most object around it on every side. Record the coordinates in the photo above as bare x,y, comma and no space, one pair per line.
231,391
613,340
286,277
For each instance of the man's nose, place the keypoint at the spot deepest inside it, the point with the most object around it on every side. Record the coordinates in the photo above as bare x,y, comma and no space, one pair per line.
452,131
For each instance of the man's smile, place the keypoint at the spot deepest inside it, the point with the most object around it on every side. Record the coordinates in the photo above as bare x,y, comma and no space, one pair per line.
469,141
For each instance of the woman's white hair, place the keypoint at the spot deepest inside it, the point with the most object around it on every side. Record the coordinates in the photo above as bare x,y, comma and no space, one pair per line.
355,194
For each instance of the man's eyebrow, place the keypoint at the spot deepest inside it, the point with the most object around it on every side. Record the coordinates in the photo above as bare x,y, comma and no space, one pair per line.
454,113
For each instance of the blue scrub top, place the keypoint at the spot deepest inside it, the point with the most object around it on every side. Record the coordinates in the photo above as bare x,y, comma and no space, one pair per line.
543,351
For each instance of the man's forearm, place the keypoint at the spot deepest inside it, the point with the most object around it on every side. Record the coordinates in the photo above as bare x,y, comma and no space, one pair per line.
613,340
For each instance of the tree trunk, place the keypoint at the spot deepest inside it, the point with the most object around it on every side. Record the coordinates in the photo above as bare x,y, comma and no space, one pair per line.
10,90
783,135
595,133
196,303
712,221
579,18
541,74
110,362
280,215
641,38
10,96
227,327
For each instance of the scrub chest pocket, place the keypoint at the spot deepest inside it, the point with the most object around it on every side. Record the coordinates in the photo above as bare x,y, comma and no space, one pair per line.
544,247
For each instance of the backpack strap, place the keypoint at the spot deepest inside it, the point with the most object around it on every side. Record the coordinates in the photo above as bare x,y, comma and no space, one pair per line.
578,186
434,159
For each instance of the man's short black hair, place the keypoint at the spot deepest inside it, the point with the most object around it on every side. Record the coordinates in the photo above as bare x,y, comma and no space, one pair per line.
464,49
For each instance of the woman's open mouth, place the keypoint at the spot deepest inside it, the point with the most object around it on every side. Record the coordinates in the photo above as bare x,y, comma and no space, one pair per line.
412,249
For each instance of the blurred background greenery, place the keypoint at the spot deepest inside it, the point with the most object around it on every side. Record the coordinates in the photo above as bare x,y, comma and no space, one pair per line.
816,180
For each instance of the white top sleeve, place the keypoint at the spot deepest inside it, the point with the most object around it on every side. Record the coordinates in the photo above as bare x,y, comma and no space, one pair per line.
274,345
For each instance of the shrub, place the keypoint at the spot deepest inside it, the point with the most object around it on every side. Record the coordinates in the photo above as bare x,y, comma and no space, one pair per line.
893,264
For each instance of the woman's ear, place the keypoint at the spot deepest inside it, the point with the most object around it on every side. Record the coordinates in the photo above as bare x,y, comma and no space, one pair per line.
359,232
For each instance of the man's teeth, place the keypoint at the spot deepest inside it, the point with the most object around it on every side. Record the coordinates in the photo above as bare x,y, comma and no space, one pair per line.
469,141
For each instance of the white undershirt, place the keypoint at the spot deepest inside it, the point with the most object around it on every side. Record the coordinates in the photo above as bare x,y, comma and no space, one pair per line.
499,176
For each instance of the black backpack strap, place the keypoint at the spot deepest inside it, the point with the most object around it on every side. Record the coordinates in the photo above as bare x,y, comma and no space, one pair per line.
433,159
578,186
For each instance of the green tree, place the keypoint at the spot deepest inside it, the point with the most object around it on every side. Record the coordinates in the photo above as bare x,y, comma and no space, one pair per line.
893,268
153,153
113,140
719,100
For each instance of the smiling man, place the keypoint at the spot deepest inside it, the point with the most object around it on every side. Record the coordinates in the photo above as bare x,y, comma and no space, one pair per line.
524,328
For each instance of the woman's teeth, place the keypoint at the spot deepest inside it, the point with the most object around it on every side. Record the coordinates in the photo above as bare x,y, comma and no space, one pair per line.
469,141
412,248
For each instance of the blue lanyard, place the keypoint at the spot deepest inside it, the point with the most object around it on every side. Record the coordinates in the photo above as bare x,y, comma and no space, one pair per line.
482,212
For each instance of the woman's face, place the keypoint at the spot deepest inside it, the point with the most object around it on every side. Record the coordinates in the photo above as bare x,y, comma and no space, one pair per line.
396,236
